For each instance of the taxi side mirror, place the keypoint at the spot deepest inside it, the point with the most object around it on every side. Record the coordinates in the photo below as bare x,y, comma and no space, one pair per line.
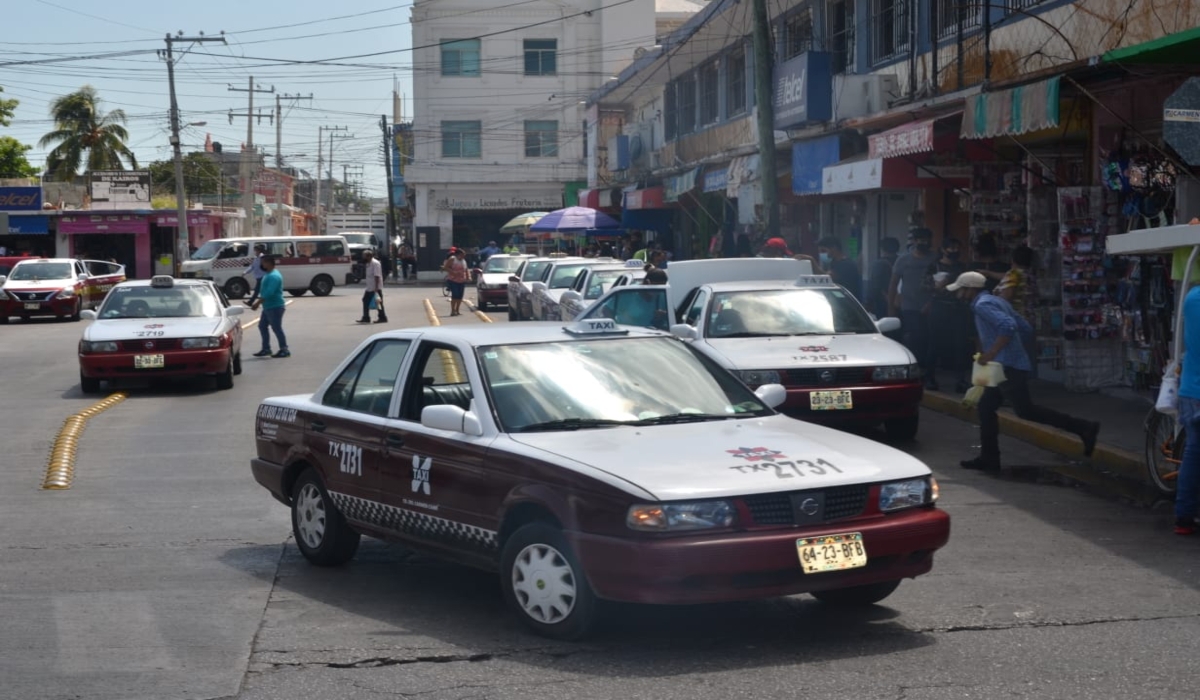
684,331
570,294
771,394
87,315
514,278
235,310
3,279
538,285
451,418
888,325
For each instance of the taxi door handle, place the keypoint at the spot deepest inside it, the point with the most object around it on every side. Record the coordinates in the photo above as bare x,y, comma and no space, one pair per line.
395,440
317,425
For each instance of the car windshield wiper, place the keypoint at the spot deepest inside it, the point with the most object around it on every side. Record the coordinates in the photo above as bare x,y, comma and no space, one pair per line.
570,424
684,418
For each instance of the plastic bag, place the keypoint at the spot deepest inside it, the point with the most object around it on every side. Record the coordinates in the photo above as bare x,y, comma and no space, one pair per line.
1168,392
971,398
373,304
991,374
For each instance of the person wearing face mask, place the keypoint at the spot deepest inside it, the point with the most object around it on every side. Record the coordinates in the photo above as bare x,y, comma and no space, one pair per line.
911,300
949,341
841,268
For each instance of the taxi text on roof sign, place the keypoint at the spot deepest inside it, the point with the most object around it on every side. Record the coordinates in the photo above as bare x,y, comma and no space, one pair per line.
595,326
162,281
814,280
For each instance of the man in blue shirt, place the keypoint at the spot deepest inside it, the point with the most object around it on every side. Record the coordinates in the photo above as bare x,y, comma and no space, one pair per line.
1187,482
271,298
489,251
1000,330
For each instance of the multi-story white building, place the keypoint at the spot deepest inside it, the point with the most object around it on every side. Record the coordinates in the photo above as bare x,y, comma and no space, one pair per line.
498,96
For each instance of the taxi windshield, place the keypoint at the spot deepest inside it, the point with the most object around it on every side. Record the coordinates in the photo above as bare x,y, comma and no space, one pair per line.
157,302
209,250
31,271
771,312
593,383
564,275
495,264
533,270
600,281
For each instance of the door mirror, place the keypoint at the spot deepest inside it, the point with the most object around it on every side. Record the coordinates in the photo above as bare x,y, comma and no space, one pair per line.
570,294
3,279
235,310
87,315
683,331
451,418
772,395
538,285
82,276
888,325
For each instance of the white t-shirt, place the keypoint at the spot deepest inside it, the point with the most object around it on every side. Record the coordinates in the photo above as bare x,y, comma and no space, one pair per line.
374,273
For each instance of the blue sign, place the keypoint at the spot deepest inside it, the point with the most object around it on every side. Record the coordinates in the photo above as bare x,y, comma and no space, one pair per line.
716,180
20,198
803,90
808,159
29,224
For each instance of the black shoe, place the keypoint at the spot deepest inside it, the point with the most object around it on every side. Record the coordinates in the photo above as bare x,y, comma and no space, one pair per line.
282,353
1089,438
262,353
363,320
381,319
982,463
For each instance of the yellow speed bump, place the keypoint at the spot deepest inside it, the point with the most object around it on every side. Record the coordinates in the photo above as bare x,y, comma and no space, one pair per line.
60,468
479,314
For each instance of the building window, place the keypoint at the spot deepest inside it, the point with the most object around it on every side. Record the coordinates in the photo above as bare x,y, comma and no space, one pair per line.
797,34
460,57
952,12
670,112
735,82
541,56
685,105
889,28
841,35
541,139
709,77
462,139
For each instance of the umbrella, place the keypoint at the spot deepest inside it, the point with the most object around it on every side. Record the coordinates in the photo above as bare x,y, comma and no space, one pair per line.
574,219
518,224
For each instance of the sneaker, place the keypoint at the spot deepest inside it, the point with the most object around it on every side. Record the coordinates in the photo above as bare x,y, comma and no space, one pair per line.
263,353
1089,438
1185,526
381,319
282,353
982,463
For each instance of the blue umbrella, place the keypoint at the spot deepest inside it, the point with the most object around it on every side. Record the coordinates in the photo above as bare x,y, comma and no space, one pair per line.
574,219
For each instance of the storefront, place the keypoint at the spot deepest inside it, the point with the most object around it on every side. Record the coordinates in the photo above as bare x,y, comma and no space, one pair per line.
202,227
28,229
647,210
472,216
122,237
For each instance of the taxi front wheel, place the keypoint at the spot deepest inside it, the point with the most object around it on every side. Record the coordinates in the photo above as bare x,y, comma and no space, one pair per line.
857,596
544,583
321,533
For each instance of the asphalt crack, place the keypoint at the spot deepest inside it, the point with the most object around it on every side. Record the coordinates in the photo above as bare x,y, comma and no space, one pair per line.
1050,624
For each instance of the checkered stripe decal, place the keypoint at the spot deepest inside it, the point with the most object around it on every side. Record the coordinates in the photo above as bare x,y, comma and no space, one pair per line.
227,263
412,522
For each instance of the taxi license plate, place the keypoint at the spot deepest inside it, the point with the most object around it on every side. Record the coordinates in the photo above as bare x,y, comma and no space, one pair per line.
831,552
831,400
148,362
32,307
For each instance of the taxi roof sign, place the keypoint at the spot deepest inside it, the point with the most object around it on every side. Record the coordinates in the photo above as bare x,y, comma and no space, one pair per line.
595,326
162,281
634,262
814,281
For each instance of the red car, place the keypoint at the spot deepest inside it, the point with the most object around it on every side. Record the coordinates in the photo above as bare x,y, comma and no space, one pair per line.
60,287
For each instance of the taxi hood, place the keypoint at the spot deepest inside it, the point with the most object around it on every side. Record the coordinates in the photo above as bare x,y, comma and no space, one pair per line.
500,278
128,328
727,458
785,352
34,285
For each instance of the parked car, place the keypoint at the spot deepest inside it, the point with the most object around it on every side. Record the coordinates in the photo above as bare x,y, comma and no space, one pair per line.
520,291
491,284
60,287
545,293
594,281
591,462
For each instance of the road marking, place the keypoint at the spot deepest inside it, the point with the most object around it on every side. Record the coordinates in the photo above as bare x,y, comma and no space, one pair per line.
478,314
450,367
431,314
253,321
60,469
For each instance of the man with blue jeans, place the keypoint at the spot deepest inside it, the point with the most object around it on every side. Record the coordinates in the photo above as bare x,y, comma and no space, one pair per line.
271,299
1000,329
910,295
1187,482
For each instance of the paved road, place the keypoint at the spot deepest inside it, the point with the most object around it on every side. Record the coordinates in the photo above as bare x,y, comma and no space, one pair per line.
165,572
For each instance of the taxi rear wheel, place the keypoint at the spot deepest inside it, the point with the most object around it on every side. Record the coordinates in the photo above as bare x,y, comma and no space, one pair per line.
321,533
856,596
902,428
543,582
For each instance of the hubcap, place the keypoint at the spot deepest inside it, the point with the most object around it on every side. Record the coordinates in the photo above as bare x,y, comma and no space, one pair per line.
310,516
544,583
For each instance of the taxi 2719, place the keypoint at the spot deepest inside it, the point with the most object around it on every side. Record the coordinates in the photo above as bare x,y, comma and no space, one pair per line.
591,463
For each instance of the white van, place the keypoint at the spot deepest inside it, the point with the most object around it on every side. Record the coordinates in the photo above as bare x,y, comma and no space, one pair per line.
317,263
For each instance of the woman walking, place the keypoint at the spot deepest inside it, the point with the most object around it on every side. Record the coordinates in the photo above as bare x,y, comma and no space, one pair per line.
457,275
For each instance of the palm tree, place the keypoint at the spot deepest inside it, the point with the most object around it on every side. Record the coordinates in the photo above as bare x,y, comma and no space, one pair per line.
81,127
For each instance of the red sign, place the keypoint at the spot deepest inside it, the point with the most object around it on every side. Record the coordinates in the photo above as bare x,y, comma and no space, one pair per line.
904,140
649,198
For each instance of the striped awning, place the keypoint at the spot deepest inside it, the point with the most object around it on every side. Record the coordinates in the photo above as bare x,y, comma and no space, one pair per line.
1012,112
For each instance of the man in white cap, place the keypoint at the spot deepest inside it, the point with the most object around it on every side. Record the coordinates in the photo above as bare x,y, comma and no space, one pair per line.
1000,330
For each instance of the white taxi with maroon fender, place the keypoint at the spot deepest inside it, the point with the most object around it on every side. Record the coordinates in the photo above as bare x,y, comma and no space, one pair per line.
60,287
591,462
161,327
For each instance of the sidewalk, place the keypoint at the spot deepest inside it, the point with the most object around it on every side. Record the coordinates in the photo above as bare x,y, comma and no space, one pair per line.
1119,452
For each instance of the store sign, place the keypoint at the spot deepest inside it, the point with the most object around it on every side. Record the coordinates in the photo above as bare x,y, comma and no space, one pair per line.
853,177
716,180
104,224
119,189
649,198
525,202
20,198
803,90
173,220
1181,120
36,224
809,159
908,139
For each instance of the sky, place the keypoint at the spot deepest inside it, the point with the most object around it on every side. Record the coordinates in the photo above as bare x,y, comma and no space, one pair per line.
57,46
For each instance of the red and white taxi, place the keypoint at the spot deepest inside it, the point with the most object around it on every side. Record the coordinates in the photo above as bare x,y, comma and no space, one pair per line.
591,462
491,286
163,327
60,287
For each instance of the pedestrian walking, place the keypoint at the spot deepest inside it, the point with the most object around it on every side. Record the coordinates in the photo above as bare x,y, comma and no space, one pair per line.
457,275
256,269
841,268
270,297
1000,328
408,261
373,276
910,295
1187,482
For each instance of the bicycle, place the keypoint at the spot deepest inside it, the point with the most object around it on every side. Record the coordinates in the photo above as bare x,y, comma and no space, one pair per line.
446,287
1164,449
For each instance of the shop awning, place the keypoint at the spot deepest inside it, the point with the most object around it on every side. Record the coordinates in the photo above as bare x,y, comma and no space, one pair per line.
648,219
600,198
1012,112
742,170
906,139
1178,48
648,198
679,184
716,179
809,159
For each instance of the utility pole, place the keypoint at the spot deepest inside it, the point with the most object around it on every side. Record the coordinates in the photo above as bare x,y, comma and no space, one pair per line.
388,143
247,167
332,188
182,240
764,65
317,197
279,149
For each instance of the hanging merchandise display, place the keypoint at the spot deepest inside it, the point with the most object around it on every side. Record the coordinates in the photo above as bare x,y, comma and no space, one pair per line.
998,207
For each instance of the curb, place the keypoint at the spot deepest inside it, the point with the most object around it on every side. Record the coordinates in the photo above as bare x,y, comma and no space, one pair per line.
1107,462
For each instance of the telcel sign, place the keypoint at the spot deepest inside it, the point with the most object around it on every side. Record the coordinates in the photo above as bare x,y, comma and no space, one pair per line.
20,198
803,90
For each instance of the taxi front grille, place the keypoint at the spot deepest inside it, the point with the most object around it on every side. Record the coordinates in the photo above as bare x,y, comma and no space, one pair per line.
32,296
777,508
815,376
156,345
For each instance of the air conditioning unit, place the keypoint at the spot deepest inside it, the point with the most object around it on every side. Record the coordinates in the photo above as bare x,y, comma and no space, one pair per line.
881,91
861,95
641,143
619,153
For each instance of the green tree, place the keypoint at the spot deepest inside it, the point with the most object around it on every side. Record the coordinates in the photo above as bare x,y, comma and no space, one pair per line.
7,107
85,135
201,175
13,162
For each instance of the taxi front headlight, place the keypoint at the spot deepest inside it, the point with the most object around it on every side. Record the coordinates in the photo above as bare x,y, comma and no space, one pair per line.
87,346
910,493
677,517
200,343
758,377
66,293
892,373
